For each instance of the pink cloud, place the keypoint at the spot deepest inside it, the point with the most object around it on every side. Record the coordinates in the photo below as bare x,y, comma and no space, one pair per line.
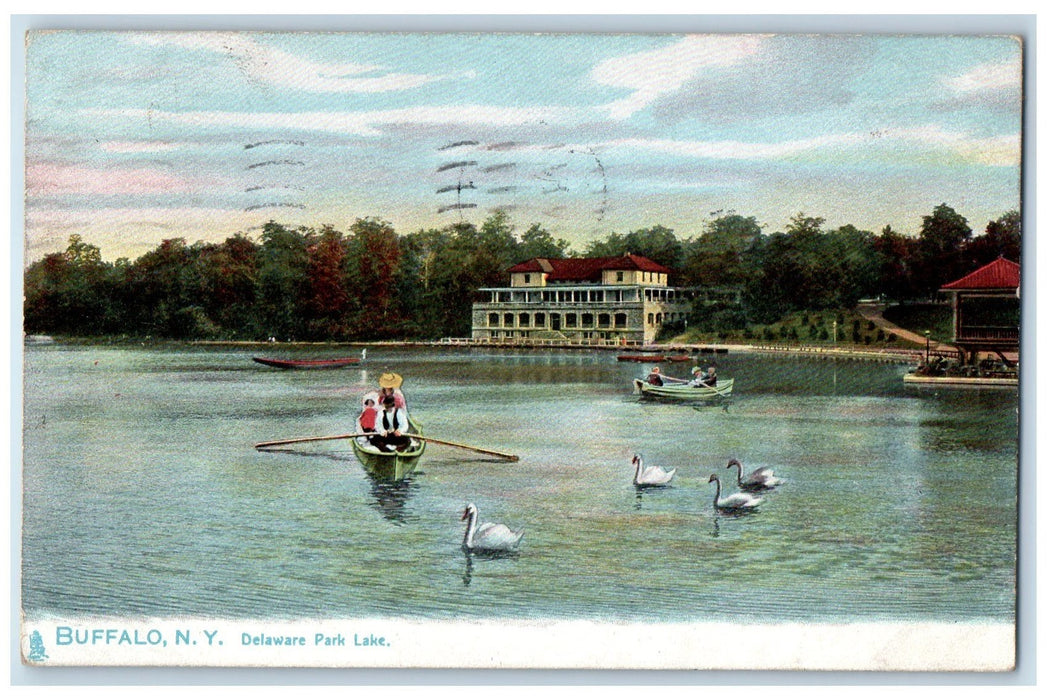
60,179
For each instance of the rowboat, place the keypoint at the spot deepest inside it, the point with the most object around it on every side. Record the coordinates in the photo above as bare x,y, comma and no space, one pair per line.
389,466
684,391
307,364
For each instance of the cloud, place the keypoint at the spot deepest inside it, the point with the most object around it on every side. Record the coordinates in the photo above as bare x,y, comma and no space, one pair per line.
996,86
268,65
787,75
1001,151
357,123
652,74
52,179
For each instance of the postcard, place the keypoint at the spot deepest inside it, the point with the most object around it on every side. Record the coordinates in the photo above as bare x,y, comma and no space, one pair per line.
517,350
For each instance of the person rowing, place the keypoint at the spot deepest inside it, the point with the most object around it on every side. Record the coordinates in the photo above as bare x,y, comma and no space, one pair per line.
656,378
706,379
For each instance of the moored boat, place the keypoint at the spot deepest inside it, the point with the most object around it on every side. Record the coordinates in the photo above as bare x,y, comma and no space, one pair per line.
687,392
389,466
654,358
307,364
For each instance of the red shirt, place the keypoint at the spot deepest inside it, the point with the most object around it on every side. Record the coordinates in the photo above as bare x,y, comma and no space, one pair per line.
367,418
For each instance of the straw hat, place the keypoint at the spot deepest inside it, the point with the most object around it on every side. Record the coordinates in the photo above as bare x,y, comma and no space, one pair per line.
390,380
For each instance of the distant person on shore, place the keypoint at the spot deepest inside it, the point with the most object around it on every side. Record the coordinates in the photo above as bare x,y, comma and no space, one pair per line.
655,377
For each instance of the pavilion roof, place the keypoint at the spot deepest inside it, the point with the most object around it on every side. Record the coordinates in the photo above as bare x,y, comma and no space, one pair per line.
999,274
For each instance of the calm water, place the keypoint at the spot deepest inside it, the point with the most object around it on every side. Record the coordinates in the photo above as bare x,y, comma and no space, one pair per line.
144,495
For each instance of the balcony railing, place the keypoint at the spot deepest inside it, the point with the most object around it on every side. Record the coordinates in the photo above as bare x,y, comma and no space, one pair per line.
986,333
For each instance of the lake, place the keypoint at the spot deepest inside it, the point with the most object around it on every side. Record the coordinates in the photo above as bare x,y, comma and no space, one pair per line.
144,495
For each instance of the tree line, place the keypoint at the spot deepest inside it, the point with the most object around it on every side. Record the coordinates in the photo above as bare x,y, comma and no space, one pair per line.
371,283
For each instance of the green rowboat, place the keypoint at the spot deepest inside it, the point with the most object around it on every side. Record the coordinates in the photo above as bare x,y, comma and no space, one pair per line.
389,466
685,392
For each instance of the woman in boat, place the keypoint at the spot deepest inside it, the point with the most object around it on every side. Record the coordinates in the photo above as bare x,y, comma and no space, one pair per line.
655,377
389,385
390,426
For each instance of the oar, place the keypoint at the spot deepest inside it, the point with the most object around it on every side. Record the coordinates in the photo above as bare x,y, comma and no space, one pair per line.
291,441
713,388
503,455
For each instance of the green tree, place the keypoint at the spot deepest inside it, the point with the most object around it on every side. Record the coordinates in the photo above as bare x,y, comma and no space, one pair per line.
940,249
282,280
1002,238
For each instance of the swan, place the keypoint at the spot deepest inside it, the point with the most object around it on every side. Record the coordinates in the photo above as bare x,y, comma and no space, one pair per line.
650,476
489,537
736,502
761,479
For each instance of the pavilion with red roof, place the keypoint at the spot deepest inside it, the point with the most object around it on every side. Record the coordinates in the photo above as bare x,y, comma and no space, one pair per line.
987,311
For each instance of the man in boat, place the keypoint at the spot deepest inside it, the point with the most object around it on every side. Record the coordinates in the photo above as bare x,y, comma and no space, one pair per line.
390,425
701,378
655,377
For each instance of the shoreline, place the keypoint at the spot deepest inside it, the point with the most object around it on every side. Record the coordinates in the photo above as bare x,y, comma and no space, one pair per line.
696,351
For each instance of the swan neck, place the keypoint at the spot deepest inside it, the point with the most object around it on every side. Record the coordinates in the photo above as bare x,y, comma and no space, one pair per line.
716,498
470,529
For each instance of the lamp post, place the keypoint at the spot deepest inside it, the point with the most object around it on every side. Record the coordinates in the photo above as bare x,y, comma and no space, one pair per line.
927,348
834,332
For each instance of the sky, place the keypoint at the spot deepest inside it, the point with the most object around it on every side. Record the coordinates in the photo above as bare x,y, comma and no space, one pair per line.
135,137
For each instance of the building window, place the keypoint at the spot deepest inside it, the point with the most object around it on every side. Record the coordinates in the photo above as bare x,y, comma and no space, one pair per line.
587,320
539,320
570,321
619,320
620,276
525,320
527,279
650,319
492,319
605,320
507,320
658,318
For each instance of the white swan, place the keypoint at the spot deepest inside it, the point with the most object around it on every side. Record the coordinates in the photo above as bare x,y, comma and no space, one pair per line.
650,476
489,537
736,502
760,479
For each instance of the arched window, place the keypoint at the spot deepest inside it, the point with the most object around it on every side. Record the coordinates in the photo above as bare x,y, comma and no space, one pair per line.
570,321
650,319
507,320
605,320
525,320
587,320
492,319
620,320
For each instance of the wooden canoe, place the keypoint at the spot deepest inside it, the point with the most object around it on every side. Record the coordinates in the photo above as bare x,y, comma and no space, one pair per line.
685,392
307,364
389,466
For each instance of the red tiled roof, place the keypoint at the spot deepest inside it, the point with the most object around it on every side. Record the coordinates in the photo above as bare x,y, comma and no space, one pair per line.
999,274
587,269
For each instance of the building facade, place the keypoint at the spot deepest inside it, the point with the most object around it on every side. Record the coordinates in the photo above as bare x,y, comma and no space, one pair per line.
986,311
619,300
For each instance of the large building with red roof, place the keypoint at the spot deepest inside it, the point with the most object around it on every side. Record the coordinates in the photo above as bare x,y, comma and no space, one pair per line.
986,310
616,300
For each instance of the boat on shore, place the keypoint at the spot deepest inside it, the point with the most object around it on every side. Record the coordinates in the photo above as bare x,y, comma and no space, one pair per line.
307,364
686,392
654,358
389,466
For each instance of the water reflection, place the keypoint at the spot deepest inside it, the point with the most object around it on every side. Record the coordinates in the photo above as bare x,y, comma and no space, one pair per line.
467,575
390,498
